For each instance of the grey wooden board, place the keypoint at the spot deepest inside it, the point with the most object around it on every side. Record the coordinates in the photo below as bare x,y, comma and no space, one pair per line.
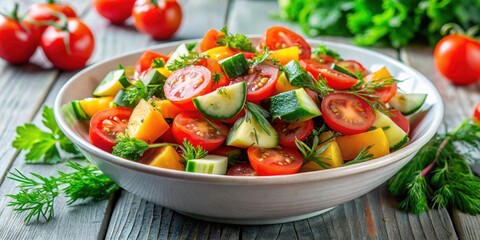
459,103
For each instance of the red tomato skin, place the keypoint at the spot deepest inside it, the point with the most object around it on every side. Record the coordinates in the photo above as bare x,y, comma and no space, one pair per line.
17,44
43,12
353,66
401,121
266,90
145,61
386,93
242,169
98,138
183,98
476,113
457,58
302,131
159,21
215,68
167,136
81,45
340,126
275,36
269,166
337,80
181,132
116,11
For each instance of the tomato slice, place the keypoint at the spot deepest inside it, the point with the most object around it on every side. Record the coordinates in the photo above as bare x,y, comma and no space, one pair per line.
476,113
274,161
209,41
281,37
313,66
215,68
346,113
195,128
145,61
324,59
106,124
185,84
386,93
401,121
260,82
353,67
287,132
336,79
242,169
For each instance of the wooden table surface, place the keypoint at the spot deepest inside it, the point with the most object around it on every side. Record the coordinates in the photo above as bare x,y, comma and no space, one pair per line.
24,89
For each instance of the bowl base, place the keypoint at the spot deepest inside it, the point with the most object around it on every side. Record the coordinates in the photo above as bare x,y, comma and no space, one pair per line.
256,221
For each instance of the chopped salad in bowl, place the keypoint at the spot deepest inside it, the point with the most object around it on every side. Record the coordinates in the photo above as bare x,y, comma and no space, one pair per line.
316,123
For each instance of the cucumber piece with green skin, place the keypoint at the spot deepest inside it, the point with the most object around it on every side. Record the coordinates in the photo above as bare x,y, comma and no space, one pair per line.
78,110
248,132
343,70
224,103
112,83
153,79
408,103
211,164
234,66
397,138
293,106
181,50
296,75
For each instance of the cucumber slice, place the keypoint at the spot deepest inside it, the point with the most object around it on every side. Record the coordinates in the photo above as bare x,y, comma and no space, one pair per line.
408,103
118,100
181,50
246,133
85,109
78,110
224,103
293,106
112,83
343,70
234,66
397,138
211,164
295,74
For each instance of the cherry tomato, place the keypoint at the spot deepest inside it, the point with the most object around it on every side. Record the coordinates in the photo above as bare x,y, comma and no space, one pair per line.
476,113
41,12
242,169
336,79
106,124
219,78
185,84
160,19
209,41
401,121
194,127
280,37
260,82
117,11
457,57
386,93
72,52
287,132
274,161
325,59
346,113
145,61
353,67
18,39
313,66
167,136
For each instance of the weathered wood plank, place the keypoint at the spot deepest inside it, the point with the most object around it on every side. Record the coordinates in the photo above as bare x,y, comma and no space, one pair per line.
459,102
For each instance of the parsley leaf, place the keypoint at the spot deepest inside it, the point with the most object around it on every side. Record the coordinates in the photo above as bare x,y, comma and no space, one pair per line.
133,149
237,41
190,152
186,60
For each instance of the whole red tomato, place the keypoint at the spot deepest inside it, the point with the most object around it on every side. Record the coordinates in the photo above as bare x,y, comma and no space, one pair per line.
476,113
457,57
68,48
117,11
46,11
18,39
160,19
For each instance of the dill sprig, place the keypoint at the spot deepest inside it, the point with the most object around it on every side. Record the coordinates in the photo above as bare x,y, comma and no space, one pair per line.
260,115
314,152
186,60
37,194
439,175
133,149
362,156
263,57
237,41
191,152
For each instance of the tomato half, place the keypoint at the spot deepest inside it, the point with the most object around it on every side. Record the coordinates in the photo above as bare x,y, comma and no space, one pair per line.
185,84
116,11
287,132
145,61
388,91
242,169
281,37
260,82
219,78
346,113
106,124
159,19
476,113
194,127
313,66
274,161
353,67
80,44
336,79
401,121
209,41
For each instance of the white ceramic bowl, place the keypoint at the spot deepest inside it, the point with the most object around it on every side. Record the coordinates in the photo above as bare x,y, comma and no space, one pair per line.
252,200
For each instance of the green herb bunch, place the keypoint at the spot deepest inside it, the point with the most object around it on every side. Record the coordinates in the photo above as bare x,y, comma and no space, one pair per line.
440,175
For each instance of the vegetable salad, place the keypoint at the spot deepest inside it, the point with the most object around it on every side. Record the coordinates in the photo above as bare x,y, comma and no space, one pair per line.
225,106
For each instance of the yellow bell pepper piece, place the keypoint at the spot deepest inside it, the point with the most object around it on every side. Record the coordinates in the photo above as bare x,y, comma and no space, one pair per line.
380,75
219,53
285,55
283,84
351,145
332,154
164,71
146,123
93,105
166,108
164,157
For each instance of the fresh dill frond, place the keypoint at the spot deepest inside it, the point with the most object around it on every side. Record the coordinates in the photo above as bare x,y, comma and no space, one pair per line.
362,156
186,60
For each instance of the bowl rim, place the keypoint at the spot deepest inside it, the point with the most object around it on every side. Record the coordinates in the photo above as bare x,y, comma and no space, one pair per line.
391,158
